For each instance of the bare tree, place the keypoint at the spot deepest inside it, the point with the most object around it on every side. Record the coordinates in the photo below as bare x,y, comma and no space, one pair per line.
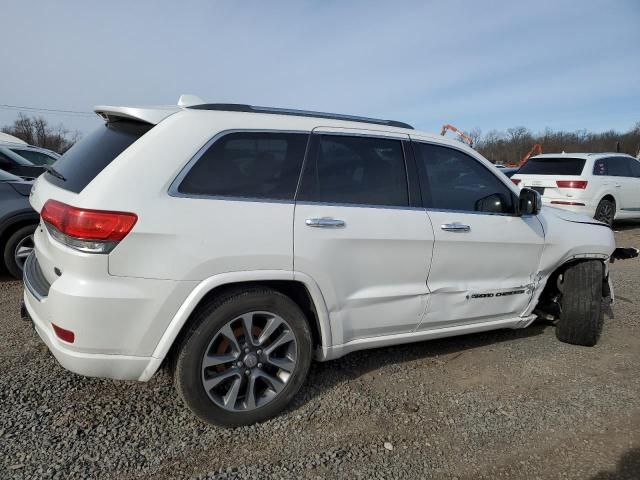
37,131
510,146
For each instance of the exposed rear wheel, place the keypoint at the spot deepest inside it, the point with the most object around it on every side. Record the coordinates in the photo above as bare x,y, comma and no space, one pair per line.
245,357
17,249
606,211
582,316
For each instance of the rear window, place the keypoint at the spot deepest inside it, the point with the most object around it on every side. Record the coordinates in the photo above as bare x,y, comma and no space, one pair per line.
552,166
87,158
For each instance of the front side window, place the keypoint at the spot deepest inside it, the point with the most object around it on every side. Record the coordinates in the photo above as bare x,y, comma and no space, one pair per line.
634,166
618,167
453,180
249,165
355,170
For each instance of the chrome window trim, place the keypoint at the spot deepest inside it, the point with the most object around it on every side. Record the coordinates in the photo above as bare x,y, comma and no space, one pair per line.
358,205
175,184
381,135
467,212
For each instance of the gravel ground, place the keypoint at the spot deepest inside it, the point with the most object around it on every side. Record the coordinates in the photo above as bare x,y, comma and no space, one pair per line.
506,404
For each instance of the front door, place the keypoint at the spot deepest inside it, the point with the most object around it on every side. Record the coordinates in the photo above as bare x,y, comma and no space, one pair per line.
360,236
485,258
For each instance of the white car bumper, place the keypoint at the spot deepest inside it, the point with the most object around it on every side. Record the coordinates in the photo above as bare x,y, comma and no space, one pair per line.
116,322
121,367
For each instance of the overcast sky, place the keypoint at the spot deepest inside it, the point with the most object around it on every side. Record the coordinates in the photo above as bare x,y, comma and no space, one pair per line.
488,65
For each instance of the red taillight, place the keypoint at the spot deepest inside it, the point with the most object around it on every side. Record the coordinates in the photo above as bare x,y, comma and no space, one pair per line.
62,334
88,224
562,202
581,184
516,181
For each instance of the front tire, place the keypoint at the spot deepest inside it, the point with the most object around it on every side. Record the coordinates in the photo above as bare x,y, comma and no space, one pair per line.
245,357
582,316
17,249
605,211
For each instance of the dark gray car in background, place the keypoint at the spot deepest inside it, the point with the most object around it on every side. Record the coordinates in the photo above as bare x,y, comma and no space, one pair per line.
17,222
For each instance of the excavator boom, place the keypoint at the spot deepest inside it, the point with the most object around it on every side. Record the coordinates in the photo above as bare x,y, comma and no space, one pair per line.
465,138
536,148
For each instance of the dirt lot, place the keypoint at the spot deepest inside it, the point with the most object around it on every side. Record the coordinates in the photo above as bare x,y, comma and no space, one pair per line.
507,404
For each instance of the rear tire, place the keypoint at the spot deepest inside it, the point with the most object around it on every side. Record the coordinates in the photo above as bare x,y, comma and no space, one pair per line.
257,385
581,318
17,248
605,211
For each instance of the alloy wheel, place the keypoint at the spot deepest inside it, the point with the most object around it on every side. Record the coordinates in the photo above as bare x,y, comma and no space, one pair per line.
23,250
606,212
249,361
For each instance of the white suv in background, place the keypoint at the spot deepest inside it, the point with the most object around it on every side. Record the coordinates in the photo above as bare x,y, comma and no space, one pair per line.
605,186
237,243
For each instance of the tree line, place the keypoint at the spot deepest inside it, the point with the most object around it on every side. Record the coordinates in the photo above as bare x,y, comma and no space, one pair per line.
510,146
37,131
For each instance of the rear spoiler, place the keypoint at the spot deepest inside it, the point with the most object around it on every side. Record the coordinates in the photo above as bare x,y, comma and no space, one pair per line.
152,115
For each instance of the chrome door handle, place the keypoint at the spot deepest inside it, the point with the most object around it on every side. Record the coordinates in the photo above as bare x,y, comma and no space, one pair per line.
455,227
618,185
325,222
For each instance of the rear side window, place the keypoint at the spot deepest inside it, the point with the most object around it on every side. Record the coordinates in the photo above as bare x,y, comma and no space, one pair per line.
249,165
452,180
355,170
552,166
87,158
601,167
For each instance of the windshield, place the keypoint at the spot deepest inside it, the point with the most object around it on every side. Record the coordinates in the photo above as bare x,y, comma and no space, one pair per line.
552,166
15,158
34,156
7,177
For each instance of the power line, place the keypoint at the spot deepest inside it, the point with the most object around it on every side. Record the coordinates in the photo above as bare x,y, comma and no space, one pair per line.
4,106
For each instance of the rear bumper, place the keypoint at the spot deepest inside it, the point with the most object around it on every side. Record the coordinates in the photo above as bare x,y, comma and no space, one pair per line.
121,367
117,322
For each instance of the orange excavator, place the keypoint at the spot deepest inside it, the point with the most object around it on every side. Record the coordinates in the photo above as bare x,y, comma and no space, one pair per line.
465,138
536,149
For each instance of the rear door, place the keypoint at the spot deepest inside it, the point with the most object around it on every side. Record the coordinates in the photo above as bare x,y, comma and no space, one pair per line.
485,258
361,234
634,192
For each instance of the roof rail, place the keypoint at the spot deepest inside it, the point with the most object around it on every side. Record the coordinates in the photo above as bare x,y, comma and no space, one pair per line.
238,107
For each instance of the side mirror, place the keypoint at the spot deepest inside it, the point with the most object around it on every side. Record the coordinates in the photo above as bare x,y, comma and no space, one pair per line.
530,202
494,203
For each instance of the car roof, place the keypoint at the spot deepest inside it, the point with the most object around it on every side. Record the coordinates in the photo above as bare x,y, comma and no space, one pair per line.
584,156
283,118
26,146
7,138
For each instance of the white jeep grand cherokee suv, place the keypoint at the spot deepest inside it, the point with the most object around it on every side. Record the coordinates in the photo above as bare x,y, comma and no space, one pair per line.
605,186
237,243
